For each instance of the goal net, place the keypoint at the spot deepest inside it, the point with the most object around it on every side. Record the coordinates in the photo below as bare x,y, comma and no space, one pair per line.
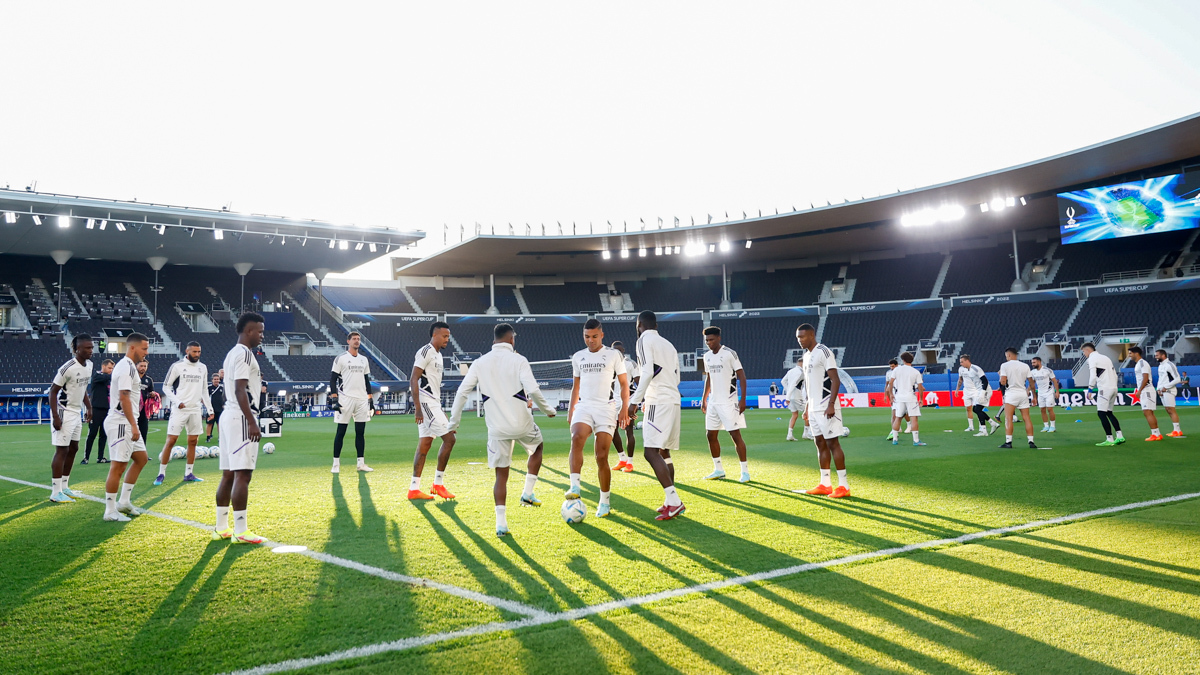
553,374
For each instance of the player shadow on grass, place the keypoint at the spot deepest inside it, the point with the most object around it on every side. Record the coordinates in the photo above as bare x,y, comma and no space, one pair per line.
21,512
1111,554
857,503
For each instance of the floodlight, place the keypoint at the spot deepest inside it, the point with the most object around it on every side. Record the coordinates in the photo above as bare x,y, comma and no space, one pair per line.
641,253
162,229
64,221
624,253
358,246
712,248
91,224
605,255
983,207
103,224
218,234
1010,202
120,226
951,213
10,217
997,204
668,251
724,247
304,241
657,250
343,245
747,243
332,243
371,247
1022,201
678,250
282,240
37,220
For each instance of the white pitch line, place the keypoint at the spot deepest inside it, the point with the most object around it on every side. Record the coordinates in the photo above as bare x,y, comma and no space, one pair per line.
583,612
509,605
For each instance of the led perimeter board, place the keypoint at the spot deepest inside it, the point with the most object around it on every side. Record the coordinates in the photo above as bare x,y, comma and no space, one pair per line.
1156,205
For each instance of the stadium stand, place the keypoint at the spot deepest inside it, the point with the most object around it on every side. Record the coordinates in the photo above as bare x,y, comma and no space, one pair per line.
907,278
662,294
398,342
987,270
367,299
464,300
872,338
761,344
569,298
1091,261
987,330
1158,312
793,287
27,360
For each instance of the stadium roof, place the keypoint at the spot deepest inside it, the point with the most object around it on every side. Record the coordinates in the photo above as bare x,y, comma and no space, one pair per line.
836,230
184,235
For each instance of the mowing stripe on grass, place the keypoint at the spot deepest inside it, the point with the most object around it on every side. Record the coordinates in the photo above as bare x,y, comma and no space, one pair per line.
509,605
583,612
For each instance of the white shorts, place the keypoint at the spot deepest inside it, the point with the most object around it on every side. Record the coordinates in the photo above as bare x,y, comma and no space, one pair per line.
660,426
184,421
1168,398
433,423
353,410
974,398
796,406
902,408
1148,399
1105,399
72,428
1046,398
1017,398
500,450
238,452
724,417
602,418
826,427
120,447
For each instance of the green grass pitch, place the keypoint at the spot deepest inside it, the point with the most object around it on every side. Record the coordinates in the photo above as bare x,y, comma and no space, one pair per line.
1117,594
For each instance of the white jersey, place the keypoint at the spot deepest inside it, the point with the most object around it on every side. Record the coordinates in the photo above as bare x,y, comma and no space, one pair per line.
429,360
241,364
1168,376
659,370
597,372
1101,373
1043,378
722,367
1017,373
905,383
630,373
506,384
1141,370
124,378
187,383
817,364
793,385
972,378
352,372
73,378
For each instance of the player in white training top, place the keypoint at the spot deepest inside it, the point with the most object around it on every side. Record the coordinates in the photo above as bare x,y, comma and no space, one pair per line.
630,441
1144,393
796,395
1168,382
1014,383
506,383
187,387
905,390
125,443
1103,376
824,411
973,384
723,407
70,407
659,388
1046,385
239,432
426,387
350,392
598,372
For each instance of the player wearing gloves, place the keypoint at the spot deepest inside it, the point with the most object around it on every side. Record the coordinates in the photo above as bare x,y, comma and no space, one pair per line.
350,398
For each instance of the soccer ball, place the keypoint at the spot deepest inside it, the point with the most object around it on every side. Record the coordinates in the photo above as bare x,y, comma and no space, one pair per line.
269,448
214,451
845,431
573,511
201,452
178,453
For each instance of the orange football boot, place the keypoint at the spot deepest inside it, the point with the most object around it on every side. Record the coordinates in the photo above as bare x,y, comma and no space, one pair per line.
441,491
1176,434
819,490
620,465
417,494
840,491
1154,437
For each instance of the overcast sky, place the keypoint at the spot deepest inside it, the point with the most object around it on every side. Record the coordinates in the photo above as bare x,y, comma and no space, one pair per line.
422,114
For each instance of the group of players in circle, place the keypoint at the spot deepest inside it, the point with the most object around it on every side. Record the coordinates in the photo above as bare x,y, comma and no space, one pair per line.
605,400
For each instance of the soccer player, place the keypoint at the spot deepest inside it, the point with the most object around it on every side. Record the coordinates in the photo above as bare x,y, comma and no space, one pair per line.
1014,385
905,390
1168,380
150,398
1144,392
239,433
1046,385
98,393
126,444
426,387
973,384
594,408
824,411
187,385
796,395
658,388
216,394
506,382
350,389
70,406
631,372
723,407
1103,376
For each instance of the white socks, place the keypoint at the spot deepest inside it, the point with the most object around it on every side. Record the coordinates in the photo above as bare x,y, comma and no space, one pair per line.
110,503
1176,426
604,497
222,517
971,425
717,464
1030,438
575,478
530,483
415,484
745,467
438,477
1155,432
842,480
126,492
1108,438
55,485
669,461
1008,438
1120,434
62,482
825,479
162,469
188,471
672,496
916,437
239,522
501,518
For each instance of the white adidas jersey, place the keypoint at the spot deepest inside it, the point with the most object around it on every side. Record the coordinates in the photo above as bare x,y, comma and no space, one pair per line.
1101,373
1141,370
659,370
1043,378
187,383
124,378
352,370
793,385
817,364
241,364
429,360
72,378
597,372
1168,376
1017,373
905,383
972,378
721,368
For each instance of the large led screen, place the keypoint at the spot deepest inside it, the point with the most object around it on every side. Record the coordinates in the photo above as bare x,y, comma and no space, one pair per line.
1128,209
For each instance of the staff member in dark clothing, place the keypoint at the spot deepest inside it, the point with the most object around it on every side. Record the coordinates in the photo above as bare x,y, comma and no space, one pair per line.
98,392
150,399
216,393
